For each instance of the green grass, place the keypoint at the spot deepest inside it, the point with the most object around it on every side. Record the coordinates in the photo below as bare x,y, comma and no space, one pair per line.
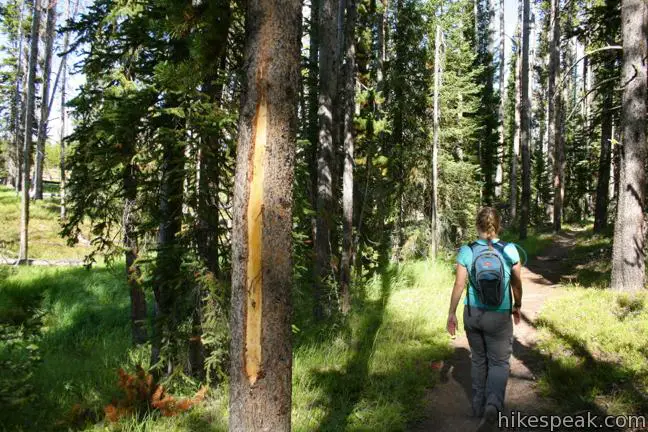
594,343
44,240
368,372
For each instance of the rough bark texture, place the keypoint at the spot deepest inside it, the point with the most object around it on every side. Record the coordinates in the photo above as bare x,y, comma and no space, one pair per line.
44,116
261,351
499,172
553,102
629,248
513,178
605,161
18,137
524,108
313,103
435,142
328,19
29,126
347,174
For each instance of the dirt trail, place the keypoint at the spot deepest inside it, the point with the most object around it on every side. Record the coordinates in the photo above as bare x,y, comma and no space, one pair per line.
448,403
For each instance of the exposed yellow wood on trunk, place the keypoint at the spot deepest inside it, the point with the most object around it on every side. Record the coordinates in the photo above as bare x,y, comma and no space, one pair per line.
255,245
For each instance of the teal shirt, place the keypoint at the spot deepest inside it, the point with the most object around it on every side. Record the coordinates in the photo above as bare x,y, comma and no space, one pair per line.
511,257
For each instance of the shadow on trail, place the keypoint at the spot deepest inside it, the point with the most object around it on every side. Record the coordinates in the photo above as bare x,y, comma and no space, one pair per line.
458,368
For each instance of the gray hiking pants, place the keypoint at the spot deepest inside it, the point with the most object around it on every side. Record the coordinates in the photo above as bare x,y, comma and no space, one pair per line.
490,335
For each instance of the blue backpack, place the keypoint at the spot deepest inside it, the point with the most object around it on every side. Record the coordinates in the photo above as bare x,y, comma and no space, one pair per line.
487,274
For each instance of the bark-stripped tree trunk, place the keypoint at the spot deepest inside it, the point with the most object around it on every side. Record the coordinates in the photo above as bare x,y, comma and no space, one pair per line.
347,175
499,171
44,116
261,351
435,142
554,108
30,101
524,108
328,17
629,247
605,161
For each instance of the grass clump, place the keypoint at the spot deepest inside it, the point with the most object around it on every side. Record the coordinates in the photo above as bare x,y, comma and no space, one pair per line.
595,344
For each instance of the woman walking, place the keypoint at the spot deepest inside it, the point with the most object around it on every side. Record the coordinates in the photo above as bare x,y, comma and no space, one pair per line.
492,269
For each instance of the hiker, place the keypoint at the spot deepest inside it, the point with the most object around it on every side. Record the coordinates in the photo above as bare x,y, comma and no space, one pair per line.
492,269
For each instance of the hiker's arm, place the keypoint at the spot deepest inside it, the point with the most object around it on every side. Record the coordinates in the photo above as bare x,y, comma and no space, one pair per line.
459,285
516,283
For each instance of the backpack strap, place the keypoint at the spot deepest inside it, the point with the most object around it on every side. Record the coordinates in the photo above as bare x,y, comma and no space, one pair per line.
500,246
470,278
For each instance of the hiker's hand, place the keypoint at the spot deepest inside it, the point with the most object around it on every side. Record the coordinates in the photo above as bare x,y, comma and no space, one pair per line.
452,324
516,315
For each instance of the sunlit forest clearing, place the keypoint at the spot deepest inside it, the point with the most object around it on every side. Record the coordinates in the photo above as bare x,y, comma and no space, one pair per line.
272,215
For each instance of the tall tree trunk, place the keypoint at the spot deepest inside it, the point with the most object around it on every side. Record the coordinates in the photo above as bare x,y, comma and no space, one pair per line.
524,108
18,103
168,261
44,117
554,106
313,105
515,154
131,250
605,160
499,171
210,170
328,16
66,42
29,127
261,348
435,142
629,247
347,175
62,141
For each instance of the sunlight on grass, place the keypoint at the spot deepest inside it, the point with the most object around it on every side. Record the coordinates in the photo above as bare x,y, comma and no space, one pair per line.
44,240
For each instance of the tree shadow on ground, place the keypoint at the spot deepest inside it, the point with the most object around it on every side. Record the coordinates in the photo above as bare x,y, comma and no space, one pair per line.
374,383
344,388
576,378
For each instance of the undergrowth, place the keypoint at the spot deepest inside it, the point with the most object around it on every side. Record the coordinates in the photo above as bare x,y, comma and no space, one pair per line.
368,371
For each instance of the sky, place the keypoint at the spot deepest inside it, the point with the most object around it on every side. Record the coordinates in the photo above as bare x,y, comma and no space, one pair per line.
75,81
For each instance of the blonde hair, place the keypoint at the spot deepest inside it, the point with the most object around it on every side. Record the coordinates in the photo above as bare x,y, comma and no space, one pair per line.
488,222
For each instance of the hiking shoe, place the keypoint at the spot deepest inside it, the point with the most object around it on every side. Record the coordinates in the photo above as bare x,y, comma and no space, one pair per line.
488,423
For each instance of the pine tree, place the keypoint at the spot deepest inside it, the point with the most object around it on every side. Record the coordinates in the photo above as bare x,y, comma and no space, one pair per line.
45,105
260,373
28,132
